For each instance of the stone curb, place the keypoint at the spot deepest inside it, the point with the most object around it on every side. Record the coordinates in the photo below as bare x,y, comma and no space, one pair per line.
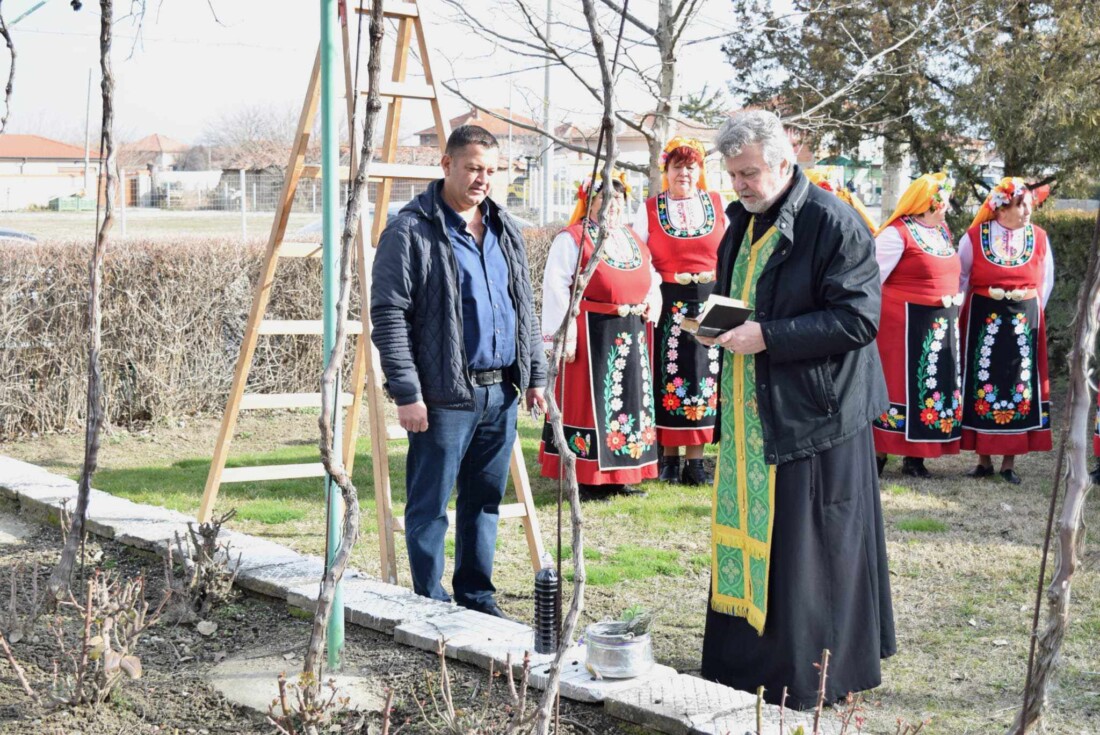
661,699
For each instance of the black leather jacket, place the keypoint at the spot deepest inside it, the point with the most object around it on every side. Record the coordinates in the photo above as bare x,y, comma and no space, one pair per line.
819,380
416,308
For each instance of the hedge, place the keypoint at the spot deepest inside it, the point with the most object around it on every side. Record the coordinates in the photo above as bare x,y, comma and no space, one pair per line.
174,314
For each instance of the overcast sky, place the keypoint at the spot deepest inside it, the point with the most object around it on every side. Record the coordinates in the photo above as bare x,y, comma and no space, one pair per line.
189,70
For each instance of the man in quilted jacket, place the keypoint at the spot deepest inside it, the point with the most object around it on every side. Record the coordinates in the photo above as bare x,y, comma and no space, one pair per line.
453,319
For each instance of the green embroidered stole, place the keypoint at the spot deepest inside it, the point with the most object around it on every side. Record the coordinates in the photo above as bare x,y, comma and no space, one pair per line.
744,490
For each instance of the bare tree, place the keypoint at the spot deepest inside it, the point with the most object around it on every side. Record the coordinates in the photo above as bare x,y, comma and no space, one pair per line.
58,585
649,60
607,146
254,136
330,455
6,33
1072,457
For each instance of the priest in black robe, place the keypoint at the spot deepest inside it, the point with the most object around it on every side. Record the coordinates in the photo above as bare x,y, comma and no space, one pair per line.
798,545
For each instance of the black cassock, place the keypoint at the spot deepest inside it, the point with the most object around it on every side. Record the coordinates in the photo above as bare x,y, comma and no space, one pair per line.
829,586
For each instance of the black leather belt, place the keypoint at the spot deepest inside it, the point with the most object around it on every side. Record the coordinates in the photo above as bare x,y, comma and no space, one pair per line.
487,377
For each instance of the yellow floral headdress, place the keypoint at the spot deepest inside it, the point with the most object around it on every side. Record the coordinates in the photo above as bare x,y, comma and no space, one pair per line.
580,211
821,180
1002,195
682,142
922,194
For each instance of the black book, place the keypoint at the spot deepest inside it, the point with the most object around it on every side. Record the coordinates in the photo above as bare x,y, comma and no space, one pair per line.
720,314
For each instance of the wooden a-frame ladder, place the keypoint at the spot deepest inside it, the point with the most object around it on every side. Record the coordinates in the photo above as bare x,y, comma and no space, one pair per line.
365,373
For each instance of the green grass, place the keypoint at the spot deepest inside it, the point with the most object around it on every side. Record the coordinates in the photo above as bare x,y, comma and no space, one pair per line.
269,512
629,562
921,525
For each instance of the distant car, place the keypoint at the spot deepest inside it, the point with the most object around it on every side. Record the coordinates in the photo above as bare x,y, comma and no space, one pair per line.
14,236
315,228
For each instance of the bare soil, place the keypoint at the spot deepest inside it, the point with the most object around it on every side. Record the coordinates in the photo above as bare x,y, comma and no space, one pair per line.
173,698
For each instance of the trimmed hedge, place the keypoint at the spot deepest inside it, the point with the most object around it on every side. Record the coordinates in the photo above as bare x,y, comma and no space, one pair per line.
1070,234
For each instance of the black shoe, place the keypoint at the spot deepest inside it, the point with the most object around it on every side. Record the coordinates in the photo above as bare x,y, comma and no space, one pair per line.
489,608
594,493
1095,475
881,462
670,469
1011,477
625,490
981,471
695,473
914,467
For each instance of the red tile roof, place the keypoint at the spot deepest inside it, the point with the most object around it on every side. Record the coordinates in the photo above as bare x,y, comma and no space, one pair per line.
494,125
35,146
156,143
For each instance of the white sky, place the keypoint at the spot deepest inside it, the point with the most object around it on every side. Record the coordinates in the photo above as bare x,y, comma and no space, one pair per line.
189,70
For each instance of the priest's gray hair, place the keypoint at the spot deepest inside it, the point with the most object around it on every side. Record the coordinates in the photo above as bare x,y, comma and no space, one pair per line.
756,126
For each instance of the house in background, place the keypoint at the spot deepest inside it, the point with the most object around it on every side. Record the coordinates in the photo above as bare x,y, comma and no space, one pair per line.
36,170
142,164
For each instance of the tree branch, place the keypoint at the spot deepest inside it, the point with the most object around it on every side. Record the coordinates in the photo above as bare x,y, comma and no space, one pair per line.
11,71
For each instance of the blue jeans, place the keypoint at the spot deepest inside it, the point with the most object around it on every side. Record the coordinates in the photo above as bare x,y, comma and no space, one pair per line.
472,449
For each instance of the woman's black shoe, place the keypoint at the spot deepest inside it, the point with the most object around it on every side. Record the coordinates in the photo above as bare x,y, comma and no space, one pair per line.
1095,475
981,471
626,490
670,469
881,462
914,467
593,493
695,473
1011,477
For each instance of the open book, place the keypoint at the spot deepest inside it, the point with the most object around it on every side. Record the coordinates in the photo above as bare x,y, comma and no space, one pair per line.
720,314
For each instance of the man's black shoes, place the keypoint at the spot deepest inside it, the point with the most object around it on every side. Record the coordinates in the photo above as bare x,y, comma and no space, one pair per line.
488,608
981,471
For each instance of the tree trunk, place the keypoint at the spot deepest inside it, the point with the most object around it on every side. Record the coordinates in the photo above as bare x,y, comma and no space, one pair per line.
895,175
667,101
1073,453
58,585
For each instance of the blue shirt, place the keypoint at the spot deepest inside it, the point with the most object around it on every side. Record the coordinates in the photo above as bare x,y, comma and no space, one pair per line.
488,315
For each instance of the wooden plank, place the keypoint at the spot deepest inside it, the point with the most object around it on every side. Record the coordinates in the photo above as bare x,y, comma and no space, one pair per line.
511,510
302,326
405,90
393,121
523,494
300,250
272,472
392,9
254,401
380,170
442,124
262,294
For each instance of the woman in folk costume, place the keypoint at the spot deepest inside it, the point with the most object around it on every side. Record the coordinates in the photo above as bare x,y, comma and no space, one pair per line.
1007,275
605,390
918,334
682,226
822,180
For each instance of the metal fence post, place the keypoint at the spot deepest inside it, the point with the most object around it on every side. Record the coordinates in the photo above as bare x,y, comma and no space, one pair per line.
244,218
122,199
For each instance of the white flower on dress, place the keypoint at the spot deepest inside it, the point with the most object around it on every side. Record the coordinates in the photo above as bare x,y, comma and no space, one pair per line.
986,352
1025,375
988,340
616,389
983,375
938,334
620,363
993,328
1021,340
931,382
1025,362
673,368
1019,329
617,404
714,367
932,369
1025,350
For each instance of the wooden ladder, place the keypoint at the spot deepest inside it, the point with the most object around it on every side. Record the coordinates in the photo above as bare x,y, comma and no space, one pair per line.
365,373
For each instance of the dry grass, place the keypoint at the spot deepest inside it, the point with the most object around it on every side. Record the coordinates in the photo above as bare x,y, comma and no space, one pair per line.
964,555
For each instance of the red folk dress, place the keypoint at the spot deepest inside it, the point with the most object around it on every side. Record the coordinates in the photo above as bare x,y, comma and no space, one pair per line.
606,393
918,343
685,254
1005,384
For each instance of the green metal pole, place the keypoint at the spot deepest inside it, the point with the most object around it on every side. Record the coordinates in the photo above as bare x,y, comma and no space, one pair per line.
330,265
